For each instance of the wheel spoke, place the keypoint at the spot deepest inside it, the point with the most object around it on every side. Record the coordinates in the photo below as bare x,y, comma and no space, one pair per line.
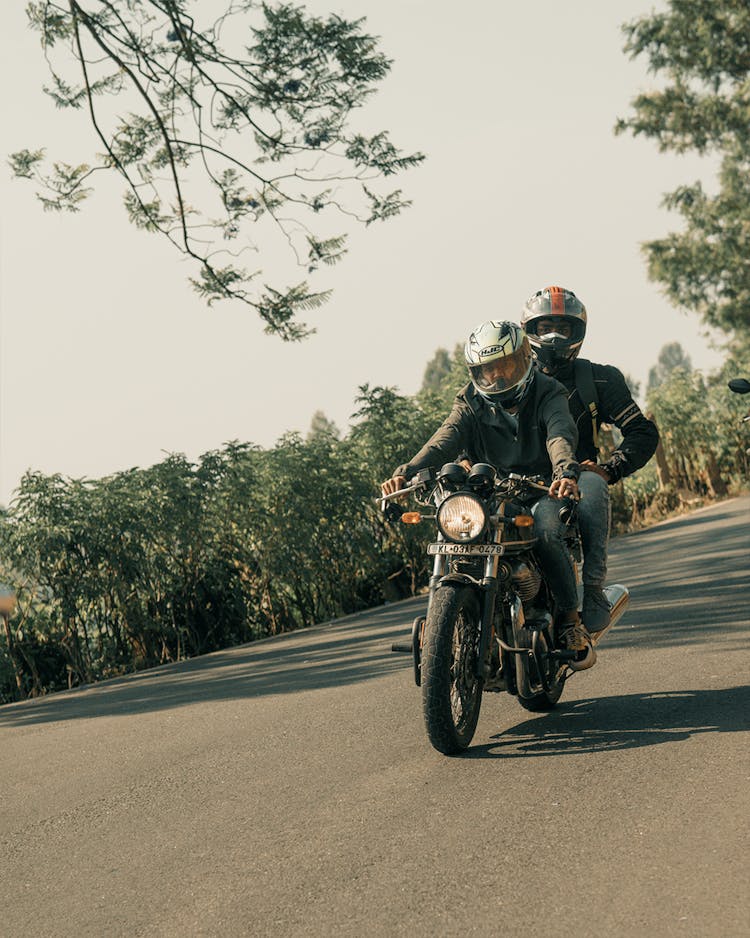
462,677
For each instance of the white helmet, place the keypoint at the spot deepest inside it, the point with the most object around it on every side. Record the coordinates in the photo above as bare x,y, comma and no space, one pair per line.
499,358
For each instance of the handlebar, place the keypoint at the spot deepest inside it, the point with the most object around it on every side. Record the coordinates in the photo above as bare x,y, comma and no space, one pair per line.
530,481
568,506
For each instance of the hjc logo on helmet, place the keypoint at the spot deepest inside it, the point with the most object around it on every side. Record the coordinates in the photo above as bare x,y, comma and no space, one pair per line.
492,350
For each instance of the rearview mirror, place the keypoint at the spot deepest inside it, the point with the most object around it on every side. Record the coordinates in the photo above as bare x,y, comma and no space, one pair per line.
739,385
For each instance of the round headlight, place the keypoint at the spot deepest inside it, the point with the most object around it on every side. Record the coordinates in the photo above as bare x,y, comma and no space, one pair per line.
461,518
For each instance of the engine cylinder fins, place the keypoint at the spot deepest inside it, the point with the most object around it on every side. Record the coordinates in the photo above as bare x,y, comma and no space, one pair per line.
526,581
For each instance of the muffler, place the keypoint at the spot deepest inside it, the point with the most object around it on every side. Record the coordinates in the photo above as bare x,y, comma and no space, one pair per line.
618,597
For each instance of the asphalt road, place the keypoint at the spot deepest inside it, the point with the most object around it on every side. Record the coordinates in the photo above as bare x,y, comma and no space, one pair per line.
287,788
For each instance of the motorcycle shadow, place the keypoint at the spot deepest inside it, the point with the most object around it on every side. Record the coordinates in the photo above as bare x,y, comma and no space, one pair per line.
631,721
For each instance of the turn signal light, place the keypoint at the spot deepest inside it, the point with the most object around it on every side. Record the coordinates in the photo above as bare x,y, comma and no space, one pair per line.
523,521
411,517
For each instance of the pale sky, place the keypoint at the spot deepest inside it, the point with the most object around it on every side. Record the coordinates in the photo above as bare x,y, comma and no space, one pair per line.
109,360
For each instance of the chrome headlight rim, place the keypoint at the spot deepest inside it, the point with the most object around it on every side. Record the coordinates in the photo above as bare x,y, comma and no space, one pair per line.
482,508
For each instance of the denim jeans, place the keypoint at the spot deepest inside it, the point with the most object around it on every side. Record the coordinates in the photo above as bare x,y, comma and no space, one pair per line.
593,520
553,556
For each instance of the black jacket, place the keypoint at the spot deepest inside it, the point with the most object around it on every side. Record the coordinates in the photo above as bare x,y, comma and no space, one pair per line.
541,442
616,406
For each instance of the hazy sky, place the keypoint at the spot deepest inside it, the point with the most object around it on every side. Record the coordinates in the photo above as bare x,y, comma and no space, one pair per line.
108,359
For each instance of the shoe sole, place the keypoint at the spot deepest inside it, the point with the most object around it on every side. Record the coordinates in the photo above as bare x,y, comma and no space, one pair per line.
588,662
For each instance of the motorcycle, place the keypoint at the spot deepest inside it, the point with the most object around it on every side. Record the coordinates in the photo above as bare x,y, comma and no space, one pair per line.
489,625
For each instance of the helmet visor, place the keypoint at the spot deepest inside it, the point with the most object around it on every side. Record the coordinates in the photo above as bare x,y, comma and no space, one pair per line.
556,333
503,373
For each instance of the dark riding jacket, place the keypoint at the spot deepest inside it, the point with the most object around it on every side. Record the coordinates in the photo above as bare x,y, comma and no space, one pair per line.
615,406
541,441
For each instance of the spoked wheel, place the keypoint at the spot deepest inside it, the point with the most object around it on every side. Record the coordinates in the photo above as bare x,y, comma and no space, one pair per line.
451,690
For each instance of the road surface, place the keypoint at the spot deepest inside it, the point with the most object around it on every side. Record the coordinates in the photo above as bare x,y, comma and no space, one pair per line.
287,787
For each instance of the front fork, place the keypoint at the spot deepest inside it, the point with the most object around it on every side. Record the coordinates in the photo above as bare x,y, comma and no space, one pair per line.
488,585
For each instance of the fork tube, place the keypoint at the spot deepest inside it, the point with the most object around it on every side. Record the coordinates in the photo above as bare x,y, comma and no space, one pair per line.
438,571
488,612
489,586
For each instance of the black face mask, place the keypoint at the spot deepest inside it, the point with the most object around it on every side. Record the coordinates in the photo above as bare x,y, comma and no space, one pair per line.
552,361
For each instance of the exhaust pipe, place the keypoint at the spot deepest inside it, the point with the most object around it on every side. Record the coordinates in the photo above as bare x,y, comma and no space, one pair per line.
618,597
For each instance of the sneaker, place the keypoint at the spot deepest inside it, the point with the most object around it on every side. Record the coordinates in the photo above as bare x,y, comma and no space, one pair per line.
575,637
595,613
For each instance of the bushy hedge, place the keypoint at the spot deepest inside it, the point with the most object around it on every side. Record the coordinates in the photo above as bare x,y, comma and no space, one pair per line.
155,565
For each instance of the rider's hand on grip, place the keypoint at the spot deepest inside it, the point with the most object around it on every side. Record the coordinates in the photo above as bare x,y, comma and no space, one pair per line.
564,488
568,510
392,485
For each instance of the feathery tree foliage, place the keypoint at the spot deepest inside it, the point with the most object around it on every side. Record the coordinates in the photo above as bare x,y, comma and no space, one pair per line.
671,356
320,425
702,50
231,136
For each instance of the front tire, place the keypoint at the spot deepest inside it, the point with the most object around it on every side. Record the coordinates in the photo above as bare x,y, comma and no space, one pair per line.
451,690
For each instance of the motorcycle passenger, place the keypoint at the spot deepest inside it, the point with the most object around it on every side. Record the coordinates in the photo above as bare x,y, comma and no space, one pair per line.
554,320
515,418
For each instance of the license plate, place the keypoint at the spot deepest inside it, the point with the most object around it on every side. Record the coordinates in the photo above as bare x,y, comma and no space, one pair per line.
474,550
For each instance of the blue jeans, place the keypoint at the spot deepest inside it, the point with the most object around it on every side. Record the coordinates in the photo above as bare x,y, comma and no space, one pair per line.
552,553
593,520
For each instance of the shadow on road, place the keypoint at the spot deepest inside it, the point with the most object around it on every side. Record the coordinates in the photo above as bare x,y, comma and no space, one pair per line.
627,722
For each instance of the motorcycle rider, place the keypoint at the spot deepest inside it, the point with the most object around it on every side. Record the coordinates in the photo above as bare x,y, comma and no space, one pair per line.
515,418
554,319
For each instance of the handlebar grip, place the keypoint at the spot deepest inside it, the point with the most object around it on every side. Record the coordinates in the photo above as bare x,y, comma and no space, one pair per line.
392,512
568,510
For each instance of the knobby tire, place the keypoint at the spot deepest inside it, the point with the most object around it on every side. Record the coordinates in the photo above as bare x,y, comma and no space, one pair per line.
451,691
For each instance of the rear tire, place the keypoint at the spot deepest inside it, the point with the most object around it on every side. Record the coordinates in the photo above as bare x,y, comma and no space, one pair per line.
541,703
451,690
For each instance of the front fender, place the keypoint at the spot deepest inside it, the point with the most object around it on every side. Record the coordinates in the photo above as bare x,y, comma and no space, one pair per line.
461,579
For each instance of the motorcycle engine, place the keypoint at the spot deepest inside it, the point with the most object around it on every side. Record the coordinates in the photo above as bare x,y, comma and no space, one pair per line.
526,580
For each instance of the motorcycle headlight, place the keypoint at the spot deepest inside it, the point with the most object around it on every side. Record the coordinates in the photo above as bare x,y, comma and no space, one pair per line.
461,518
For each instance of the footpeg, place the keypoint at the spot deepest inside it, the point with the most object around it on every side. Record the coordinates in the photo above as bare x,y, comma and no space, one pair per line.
562,654
495,684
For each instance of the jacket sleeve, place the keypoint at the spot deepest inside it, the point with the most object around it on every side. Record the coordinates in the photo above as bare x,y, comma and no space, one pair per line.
639,434
562,435
450,439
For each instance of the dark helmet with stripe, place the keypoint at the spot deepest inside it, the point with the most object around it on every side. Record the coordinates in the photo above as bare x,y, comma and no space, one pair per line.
562,318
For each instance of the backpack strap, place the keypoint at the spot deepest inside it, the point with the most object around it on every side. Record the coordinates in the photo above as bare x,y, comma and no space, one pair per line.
584,378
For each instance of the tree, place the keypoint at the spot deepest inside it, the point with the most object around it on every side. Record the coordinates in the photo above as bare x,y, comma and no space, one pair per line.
226,134
701,48
444,376
321,426
436,370
671,356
